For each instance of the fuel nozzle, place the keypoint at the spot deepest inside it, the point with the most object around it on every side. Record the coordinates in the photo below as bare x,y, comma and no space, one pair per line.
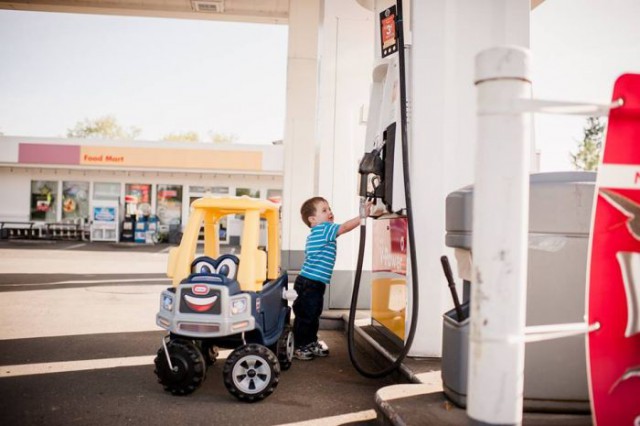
371,164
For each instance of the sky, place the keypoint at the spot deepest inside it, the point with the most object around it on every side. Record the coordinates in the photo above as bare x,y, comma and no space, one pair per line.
578,50
167,75
159,75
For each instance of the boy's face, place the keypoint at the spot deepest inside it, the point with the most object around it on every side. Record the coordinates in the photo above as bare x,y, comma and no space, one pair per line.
323,214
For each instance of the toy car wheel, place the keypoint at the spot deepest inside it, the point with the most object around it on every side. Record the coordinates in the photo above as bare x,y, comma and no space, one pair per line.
209,351
188,367
284,348
251,372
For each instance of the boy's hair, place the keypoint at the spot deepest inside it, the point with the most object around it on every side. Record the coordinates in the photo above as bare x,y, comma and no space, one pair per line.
309,209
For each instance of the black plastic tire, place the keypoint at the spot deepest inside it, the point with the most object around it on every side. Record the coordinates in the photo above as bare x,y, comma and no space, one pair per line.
284,348
251,373
189,367
209,352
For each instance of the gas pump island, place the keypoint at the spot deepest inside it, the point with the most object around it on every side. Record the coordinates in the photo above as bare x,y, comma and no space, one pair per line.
560,205
384,178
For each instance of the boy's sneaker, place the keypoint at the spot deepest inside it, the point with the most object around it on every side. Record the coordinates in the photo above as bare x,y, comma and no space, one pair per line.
304,353
319,348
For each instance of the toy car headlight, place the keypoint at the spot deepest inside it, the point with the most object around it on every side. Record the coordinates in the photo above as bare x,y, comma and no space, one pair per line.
238,306
167,302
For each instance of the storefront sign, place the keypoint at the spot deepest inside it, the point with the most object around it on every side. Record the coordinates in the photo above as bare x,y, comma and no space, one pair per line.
127,157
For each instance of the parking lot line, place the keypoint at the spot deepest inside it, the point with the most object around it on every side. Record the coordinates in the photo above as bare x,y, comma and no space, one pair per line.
82,365
341,419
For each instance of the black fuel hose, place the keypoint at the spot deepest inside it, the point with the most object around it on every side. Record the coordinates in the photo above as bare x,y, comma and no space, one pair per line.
412,249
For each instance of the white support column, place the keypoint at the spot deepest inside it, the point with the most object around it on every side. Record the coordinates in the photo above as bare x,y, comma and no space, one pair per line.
446,36
300,140
346,59
500,230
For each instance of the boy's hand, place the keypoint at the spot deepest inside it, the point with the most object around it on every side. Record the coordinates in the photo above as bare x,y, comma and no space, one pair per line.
367,208
353,223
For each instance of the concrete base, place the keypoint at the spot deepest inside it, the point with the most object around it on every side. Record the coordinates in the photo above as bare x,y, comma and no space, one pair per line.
419,398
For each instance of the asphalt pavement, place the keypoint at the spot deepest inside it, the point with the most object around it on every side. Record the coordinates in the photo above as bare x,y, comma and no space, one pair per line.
78,339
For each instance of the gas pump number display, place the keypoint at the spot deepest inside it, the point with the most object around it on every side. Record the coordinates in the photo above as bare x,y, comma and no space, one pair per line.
388,40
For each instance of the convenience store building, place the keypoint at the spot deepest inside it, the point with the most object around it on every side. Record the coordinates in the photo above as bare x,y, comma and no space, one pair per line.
58,181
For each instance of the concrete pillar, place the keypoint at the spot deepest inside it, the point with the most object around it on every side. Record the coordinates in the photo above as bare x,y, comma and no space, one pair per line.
346,59
329,76
446,36
300,140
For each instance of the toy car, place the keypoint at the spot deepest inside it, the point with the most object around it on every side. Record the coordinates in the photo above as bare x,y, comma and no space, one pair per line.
226,301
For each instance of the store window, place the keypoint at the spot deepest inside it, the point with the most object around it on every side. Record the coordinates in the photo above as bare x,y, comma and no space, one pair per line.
253,193
75,200
137,196
106,191
43,200
274,195
169,204
201,191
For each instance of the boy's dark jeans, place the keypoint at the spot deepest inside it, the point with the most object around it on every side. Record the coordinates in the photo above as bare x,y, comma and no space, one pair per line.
307,309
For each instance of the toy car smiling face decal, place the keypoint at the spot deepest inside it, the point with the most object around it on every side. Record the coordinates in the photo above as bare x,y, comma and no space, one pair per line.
200,301
200,298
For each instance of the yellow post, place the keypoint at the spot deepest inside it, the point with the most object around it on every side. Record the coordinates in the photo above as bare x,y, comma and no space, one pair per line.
248,257
211,243
182,264
273,243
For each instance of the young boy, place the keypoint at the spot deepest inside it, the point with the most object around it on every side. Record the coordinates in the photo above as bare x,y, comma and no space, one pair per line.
319,260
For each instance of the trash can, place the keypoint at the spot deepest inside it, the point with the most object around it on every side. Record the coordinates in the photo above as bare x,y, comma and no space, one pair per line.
555,374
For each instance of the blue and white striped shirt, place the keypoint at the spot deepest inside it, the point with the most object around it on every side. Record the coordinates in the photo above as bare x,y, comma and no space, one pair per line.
320,252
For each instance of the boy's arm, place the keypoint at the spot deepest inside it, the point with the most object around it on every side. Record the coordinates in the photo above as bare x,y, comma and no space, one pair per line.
353,223
349,225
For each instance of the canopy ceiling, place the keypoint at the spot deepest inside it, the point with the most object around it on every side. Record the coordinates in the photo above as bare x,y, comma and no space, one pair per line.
260,11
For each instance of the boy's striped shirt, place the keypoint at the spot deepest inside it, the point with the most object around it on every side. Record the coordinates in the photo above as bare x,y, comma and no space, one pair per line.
320,252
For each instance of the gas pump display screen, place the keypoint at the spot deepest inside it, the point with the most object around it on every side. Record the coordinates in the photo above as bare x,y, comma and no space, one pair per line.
388,40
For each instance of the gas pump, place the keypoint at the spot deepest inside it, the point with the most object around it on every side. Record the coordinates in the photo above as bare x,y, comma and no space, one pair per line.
384,172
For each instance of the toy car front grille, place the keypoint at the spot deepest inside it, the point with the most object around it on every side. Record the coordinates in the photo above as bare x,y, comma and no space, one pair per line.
198,328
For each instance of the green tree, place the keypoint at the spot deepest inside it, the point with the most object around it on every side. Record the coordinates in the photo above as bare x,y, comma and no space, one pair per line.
105,127
587,156
222,137
182,137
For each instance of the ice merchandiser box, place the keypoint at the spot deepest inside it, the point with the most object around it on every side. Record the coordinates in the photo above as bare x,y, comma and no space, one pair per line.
555,374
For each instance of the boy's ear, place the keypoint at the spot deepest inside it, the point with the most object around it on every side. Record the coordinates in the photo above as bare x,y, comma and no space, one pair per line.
312,219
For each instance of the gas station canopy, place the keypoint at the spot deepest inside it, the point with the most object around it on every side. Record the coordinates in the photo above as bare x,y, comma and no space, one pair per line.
257,11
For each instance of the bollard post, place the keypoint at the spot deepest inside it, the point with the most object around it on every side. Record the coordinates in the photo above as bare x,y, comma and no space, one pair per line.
499,246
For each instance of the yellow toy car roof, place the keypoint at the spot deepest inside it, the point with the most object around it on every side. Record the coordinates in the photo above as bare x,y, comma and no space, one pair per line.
234,205
255,264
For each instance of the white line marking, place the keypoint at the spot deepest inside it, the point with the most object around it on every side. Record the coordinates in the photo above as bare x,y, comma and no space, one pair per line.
337,420
82,365
68,366
76,246
120,280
